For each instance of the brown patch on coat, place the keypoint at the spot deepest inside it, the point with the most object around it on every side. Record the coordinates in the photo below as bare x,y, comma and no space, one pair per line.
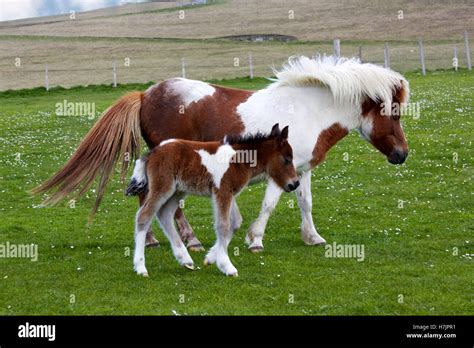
164,116
327,139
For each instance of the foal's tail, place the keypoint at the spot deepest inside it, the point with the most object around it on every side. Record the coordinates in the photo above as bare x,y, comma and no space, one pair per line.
138,182
116,135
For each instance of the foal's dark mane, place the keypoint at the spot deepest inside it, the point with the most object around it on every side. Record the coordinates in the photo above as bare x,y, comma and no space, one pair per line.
247,139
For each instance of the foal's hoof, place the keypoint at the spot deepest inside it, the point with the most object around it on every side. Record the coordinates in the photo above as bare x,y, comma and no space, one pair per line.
314,241
189,266
145,274
256,249
235,275
207,262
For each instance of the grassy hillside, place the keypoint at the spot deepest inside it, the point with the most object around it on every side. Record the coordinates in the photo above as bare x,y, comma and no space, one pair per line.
148,41
421,251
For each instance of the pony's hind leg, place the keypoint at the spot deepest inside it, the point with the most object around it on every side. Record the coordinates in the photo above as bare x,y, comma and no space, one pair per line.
218,253
235,217
143,221
186,231
165,217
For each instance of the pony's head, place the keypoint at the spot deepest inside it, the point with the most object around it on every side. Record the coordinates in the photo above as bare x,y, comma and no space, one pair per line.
280,165
380,125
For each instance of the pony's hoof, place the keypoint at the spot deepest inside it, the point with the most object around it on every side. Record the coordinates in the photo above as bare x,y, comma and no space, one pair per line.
189,266
256,249
235,275
206,262
152,243
145,274
196,247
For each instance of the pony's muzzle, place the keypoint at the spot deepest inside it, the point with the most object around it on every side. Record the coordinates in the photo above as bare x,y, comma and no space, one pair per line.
398,156
292,186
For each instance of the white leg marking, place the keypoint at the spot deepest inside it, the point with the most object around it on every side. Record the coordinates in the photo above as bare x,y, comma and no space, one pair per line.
303,194
165,217
141,227
218,253
257,229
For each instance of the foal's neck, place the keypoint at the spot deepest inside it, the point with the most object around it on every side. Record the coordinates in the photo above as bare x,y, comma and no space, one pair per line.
262,152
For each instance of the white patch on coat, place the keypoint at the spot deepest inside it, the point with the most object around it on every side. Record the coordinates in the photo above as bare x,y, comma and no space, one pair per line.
218,163
189,90
365,129
139,171
168,141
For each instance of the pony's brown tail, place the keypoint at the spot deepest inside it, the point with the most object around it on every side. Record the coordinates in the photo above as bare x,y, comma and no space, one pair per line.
116,134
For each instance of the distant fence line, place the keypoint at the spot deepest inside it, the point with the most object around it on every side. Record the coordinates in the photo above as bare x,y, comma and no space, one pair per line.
250,64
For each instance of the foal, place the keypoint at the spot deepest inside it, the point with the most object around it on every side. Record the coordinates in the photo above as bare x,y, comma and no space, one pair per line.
176,168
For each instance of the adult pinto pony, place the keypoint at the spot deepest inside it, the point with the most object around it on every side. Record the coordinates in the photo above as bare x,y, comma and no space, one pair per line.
321,99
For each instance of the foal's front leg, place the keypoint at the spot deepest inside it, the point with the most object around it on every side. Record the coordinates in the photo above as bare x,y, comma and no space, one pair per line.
218,253
305,202
257,228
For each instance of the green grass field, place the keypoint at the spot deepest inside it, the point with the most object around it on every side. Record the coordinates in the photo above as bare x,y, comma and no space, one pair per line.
418,254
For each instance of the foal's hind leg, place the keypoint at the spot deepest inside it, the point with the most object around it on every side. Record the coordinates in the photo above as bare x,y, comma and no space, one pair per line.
186,231
165,217
150,240
142,223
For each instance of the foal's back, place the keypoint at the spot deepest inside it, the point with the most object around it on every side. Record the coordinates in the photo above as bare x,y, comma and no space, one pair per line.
193,167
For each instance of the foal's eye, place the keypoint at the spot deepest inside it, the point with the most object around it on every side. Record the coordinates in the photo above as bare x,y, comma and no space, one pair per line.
396,118
287,161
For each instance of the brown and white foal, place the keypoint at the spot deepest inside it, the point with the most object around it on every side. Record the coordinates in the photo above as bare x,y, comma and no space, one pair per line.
176,168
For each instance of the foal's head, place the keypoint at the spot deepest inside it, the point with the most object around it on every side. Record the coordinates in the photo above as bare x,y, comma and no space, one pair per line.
383,129
280,165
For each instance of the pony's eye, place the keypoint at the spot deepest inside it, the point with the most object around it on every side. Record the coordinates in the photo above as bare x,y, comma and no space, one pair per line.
287,160
396,118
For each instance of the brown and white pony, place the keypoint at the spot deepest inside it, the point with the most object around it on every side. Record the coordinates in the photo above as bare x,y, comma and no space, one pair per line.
321,99
178,167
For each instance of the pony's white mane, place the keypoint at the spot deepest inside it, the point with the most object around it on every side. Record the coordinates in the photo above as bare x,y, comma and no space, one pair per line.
349,80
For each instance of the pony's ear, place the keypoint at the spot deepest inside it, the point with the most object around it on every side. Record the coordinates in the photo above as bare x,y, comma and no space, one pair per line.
284,134
275,130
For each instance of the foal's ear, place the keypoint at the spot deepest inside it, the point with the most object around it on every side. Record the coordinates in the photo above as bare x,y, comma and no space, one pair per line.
284,134
275,130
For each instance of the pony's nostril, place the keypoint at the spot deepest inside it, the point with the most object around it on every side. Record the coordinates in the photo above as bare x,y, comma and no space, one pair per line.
296,184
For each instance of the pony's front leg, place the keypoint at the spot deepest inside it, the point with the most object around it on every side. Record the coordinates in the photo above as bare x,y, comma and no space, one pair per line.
303,194
186,231
218,253
254,237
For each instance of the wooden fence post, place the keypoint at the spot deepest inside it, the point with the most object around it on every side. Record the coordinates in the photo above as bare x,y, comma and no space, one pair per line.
422,56
468,53
114,74
183,68
386,56
337,48
46,79
251,65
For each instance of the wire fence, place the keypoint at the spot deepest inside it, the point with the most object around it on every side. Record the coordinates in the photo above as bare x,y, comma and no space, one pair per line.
67,63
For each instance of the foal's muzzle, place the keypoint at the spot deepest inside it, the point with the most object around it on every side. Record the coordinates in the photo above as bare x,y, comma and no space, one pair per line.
397,157
292,186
